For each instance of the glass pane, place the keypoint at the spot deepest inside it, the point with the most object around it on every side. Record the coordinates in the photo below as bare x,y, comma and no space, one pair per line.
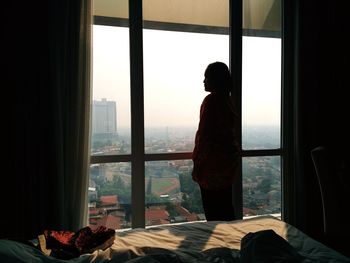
174,63
171,195
261,185
110,195
261,93
111,91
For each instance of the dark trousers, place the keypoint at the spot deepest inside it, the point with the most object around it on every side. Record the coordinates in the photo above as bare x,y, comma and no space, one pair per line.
218,205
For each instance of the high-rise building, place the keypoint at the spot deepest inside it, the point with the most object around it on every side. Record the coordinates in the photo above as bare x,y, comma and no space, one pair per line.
104,120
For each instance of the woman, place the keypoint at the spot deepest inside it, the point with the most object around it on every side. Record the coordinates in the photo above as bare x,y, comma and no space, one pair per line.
216,153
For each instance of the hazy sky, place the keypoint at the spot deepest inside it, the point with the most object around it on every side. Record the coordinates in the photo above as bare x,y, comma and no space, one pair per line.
174,64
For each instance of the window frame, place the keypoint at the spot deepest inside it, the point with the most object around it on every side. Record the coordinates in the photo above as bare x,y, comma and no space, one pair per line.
138,157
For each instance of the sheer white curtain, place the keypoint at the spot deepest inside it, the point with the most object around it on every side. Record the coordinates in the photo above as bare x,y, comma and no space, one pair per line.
81,172
70,73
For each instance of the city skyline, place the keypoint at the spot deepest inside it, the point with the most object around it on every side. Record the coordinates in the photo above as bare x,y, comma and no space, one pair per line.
126,129
168,185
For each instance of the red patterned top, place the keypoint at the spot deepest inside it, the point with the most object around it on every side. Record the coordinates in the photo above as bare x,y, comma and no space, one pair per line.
216,152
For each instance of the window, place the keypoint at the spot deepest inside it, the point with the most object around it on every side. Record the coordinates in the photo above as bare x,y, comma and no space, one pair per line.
261,117
145,117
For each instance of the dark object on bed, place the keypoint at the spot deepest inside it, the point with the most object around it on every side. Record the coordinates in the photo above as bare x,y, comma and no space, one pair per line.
67,244
267,246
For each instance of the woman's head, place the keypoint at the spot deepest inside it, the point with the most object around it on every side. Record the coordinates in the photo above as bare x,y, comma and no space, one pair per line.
217,78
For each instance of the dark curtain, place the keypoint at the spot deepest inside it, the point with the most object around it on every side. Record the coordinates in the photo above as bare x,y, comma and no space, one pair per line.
319,65
47,111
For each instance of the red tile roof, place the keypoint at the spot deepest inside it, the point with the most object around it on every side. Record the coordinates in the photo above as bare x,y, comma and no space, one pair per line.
182,211
248,211
157,222
109,200
156,213
93,211
192,217
108,221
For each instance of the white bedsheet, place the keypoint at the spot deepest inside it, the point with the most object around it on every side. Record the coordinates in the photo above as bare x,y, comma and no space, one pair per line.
190,242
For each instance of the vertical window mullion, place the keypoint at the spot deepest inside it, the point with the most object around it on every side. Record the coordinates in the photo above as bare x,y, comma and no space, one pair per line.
236,71
288,124
137,115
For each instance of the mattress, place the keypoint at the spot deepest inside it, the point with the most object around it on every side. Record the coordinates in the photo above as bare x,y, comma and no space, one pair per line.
214,241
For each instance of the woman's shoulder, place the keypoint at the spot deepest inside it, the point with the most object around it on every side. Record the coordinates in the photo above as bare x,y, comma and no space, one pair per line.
210,99
216,99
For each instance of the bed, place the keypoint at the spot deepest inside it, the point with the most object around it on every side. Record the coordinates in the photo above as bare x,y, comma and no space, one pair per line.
190,242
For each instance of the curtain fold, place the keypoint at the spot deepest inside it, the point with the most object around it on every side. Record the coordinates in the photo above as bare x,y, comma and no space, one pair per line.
70,73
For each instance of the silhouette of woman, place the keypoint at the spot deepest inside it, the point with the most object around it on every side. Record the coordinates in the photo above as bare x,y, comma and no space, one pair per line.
216,152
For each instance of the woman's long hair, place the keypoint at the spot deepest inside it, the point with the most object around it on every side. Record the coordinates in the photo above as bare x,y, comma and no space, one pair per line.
219,76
